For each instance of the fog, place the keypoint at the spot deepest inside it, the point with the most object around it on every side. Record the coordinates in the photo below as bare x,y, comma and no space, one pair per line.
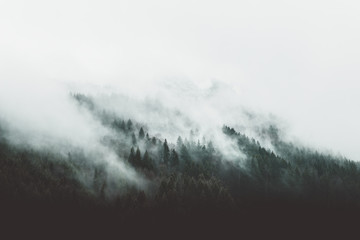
296,63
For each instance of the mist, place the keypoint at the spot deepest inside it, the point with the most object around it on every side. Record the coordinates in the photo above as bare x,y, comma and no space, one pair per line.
182,66
158,117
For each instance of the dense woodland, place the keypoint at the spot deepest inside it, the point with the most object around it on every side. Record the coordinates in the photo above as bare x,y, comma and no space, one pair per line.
189,177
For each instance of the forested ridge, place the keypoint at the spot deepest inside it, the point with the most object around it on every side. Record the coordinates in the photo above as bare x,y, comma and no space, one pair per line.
189,177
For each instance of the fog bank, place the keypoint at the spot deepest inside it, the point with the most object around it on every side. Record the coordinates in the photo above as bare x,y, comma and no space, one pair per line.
296,61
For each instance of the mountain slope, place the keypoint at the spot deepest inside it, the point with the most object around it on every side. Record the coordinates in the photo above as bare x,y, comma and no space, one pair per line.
183,181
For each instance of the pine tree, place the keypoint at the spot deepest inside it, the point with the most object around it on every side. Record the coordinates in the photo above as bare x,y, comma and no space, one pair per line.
179,143
141,133
133,139
166,153
184,154
114,124
129,125
147,161
123,126
174,159
132,156
138,158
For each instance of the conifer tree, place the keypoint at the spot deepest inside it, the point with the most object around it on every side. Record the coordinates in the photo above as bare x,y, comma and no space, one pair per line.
122,125
138,158
184,154
129,125
147,161
132,156
166,153
179,143
133,139
141,133
174,159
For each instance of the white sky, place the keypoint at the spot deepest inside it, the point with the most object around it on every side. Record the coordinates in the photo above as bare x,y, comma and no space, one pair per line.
297,59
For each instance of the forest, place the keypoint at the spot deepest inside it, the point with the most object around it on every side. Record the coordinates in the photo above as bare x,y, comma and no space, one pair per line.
189,180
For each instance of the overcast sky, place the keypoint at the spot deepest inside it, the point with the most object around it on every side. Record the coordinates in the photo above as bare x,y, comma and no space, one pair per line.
296,59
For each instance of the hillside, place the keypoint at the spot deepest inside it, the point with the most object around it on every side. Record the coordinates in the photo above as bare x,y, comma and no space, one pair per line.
183,181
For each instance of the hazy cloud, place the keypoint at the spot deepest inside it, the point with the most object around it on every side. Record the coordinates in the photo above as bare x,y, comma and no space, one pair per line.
297,60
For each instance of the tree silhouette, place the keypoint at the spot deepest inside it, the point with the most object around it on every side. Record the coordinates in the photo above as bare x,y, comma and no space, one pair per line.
131,158
166,153
174,159
137,159
141,133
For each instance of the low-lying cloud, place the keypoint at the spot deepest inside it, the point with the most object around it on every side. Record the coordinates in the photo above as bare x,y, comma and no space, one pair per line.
202,65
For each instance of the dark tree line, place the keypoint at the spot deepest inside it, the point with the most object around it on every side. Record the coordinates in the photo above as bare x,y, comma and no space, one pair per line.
185,177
